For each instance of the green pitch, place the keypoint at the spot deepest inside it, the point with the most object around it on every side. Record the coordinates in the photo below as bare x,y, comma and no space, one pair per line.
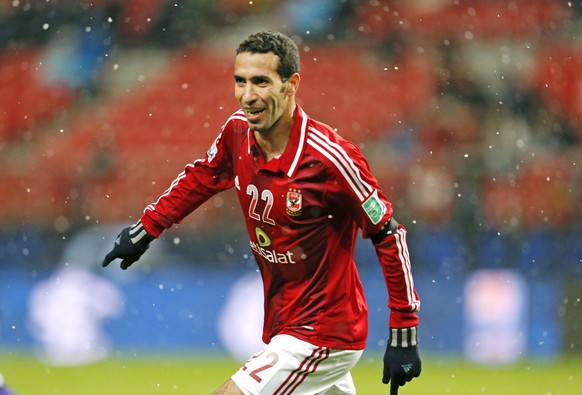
156,375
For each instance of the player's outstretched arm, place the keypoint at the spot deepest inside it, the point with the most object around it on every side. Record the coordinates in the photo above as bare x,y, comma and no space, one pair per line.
402,358
129,246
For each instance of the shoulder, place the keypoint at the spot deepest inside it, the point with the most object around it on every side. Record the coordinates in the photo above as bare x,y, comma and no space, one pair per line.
329,146
237,120
342,157
234,130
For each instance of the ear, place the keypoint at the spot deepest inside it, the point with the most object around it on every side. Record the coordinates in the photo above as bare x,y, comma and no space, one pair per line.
293,84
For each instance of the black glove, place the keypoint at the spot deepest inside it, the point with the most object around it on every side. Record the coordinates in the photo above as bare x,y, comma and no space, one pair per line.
130,245
402,358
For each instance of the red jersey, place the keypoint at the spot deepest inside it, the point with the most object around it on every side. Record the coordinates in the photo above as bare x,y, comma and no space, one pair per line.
302,211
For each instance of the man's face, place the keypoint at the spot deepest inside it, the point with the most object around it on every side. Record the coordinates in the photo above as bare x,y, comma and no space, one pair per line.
258,87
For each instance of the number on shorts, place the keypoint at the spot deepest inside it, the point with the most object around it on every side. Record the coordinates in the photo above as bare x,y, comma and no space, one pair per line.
274,358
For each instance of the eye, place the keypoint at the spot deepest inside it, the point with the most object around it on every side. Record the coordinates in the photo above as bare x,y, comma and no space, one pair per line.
239,81
260,81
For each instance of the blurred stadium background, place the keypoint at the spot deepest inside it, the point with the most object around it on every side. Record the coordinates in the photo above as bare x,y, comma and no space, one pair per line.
468,111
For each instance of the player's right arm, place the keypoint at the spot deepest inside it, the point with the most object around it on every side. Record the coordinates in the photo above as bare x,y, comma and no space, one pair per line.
196,184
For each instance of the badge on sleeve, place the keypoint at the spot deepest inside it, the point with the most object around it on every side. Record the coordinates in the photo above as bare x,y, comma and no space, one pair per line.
213,150
374,207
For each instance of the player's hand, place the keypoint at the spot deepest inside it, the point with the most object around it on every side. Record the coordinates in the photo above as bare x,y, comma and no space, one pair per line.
402,358
130,245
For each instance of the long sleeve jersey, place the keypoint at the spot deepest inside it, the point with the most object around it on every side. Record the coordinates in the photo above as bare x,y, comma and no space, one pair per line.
302,212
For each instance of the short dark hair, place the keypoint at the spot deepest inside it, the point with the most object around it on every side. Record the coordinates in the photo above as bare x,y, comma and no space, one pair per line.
277,43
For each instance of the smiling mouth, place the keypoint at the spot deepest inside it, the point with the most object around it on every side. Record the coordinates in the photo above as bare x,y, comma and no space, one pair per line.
254,113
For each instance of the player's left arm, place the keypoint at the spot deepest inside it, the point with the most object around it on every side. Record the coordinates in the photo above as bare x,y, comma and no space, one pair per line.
374,214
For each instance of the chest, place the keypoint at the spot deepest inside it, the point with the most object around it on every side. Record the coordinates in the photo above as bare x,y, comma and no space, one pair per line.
273,198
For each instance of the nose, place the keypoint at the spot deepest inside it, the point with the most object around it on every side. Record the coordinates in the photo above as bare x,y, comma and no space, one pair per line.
248,94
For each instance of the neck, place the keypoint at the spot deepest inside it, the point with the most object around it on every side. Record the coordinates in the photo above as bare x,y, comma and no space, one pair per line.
274,141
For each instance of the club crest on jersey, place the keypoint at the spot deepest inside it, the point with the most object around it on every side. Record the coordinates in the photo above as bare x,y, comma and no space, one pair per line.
294,202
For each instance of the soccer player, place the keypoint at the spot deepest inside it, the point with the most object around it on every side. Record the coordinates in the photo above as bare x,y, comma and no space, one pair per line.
304,192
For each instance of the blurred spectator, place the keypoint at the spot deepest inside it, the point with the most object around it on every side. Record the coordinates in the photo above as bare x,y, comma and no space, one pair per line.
431,190
317,20
164,24
138,18
547,198
500,202
78,50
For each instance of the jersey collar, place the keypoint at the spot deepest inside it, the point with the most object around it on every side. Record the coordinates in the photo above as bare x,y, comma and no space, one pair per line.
290,158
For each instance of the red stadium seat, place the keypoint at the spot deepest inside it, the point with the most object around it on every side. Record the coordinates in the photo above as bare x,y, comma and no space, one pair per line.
26,100
489,19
